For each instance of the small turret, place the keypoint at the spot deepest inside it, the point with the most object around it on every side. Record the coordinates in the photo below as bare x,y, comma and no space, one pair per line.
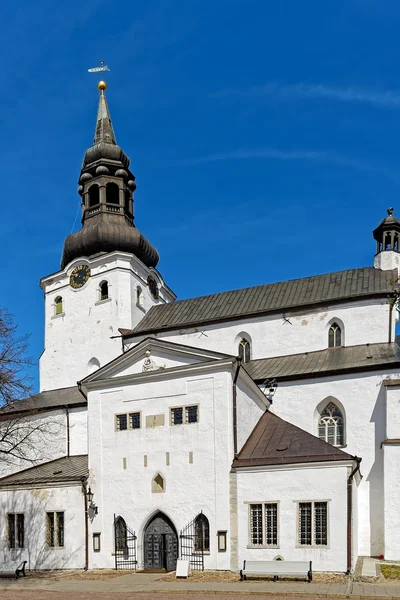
387,236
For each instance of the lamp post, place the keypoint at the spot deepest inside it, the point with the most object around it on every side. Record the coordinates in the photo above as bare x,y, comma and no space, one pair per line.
89,496
268,388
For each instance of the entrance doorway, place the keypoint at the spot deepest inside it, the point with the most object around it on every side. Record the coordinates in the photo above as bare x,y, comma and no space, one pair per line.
160,544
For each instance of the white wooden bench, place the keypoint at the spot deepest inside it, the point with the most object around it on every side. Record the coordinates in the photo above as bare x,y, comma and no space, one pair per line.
276,568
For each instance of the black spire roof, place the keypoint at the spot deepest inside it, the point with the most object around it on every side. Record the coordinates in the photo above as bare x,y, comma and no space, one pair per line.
106,187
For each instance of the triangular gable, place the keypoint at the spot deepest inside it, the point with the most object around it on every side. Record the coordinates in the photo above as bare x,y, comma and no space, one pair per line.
274,441
152,355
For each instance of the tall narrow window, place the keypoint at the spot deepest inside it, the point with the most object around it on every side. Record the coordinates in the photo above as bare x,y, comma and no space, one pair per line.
120,534
313,524
55,529
16,530
201,534
112,193
139,296
244,350
334,336
58,305
331,425
94,195
104,290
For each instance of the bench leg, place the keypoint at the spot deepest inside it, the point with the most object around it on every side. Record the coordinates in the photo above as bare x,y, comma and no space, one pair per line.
309,576
241,575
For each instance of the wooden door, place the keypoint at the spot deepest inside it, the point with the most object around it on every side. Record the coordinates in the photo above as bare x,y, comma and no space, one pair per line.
160,544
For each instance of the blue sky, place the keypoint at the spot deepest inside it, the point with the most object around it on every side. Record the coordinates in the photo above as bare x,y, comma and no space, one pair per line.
264,135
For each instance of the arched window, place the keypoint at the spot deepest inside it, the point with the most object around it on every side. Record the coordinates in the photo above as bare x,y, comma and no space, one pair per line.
201,533
112,193
331,425
58,305
103,290
244,350
139,296
334,336
94,195
120,534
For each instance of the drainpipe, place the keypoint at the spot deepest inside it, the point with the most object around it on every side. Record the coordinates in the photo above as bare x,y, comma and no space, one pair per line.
234,406
68,436
350,512
84,492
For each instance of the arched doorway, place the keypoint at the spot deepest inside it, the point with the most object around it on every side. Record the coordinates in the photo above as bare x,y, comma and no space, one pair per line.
160,544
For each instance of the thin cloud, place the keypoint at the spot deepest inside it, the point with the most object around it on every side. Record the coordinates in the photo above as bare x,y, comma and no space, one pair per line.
289,155
382,99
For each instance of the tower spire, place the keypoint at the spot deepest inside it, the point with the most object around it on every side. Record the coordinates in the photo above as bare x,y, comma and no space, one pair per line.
107,185
104,130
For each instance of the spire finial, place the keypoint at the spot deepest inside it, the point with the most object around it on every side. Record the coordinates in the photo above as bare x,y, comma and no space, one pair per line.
390,211
102,86
104,129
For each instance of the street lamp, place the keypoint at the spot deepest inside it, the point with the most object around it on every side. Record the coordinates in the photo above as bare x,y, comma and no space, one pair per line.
89,496
268,388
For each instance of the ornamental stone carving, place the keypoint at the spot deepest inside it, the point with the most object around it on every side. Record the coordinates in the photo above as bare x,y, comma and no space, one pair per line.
150,365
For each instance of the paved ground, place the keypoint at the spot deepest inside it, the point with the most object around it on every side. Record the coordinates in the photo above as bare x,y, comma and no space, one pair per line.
146,586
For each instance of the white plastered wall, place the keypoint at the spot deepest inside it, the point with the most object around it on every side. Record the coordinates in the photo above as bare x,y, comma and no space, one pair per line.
200,456
365,321
391,453
288,486
86,333
34,503
363,398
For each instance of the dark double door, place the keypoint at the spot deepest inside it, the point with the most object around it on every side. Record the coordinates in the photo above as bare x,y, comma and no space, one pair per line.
160,544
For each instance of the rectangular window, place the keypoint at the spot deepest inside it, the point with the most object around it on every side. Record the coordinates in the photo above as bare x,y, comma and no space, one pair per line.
16,530
134,420
264,524
313,523
184,414
55,529
191,414
122,422
176,416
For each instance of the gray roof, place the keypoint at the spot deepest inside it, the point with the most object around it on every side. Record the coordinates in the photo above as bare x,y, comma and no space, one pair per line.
270,298
47,400
65,469
274,441
365,357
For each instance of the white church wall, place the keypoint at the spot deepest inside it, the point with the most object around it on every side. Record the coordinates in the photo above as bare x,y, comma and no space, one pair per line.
78,431
363,399
392,411
287,486
364,322
249,410
47,440
391,495
72,338
34,503
195,470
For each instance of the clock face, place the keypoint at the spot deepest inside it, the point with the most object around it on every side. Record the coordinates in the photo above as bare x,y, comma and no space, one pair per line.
79,276
153,286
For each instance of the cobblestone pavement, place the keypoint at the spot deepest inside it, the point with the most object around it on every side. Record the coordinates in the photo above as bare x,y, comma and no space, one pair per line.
51,595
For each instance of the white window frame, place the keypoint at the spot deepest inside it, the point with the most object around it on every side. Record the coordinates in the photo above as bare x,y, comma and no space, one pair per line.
263,504
313,544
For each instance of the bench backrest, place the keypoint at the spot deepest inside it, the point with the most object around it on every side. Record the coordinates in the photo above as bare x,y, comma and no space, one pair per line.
278,566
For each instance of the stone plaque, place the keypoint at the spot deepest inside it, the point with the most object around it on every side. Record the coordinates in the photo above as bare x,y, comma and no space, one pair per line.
155,420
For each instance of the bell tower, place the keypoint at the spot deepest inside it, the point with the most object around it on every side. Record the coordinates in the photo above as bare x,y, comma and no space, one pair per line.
387,237
108,278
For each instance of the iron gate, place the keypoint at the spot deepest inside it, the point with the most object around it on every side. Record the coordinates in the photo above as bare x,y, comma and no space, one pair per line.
192,546
124,545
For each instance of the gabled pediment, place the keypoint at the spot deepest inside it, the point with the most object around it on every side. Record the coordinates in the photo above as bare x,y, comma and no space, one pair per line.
152,355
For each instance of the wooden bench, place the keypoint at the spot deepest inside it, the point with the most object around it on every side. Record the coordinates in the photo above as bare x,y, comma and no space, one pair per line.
20,570
276,568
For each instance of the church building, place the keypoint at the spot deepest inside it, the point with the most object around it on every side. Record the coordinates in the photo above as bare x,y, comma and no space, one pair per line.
257,424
